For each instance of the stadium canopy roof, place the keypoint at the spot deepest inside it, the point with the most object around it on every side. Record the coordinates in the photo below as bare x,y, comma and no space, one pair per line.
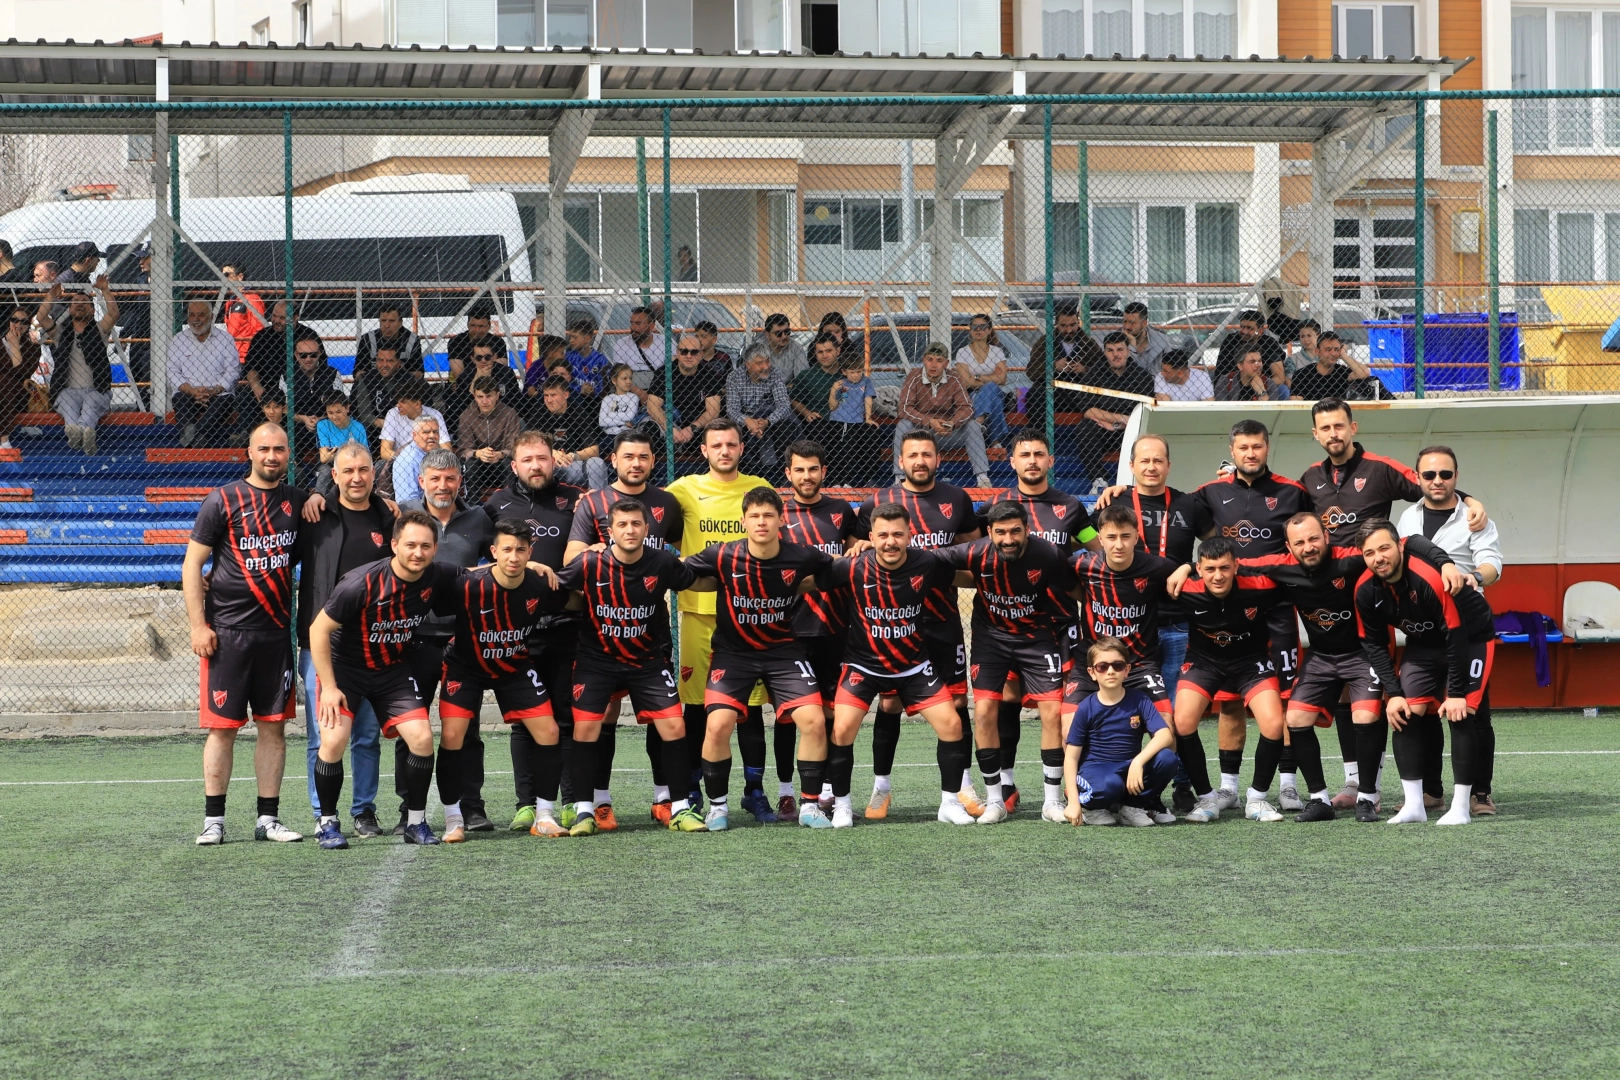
363,89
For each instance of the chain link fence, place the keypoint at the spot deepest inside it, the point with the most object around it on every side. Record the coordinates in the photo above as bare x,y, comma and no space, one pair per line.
1453,243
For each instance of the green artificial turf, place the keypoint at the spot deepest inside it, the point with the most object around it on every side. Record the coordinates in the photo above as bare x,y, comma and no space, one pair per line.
906,948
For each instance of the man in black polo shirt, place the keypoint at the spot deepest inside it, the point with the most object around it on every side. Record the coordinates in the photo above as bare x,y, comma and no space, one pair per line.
699,387
459,349
1107,416
390,334
576,436
1327,378
1251,333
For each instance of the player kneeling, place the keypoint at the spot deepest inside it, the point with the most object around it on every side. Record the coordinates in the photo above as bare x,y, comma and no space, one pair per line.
1118,771
886,652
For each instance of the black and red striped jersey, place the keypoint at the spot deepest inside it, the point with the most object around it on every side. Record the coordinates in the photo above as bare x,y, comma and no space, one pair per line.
376,611
1419,605
1233,626
824,524
664,518
550,514
1250,513
755,597
1348,496
886,608
1165,526
492,621
1027,597
938,516
1055,516
252,532
1123,604
626,614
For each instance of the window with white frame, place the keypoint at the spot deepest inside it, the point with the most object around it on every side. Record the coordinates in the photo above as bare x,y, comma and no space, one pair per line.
1577,246
261,32
1162,242
856,238
1375,30
1132,27
303,23
1565,49
909,27
571,24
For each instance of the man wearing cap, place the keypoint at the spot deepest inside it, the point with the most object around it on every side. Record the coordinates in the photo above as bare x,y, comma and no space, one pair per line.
81,271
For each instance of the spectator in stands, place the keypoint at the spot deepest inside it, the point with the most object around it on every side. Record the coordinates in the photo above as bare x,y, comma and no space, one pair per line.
459,349
8,265
377,391
1073,352
45,272
405,468
18,362
484,435
1247,381
576,437
338,427
135,325
204,364
1310,334
933,399
708,334
588,364
545,354
1147,344
486,364
1251,334
854,430
1331,375
833,323
641,350
686,268
620,406
786,355
1106,416
1178,380
811,390
390,333
757,399
264,365
244,314
272,409
699,390
314,382
82,263
981,365
81,376
401,421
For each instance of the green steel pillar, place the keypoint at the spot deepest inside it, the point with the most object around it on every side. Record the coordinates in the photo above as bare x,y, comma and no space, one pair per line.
642,226
1419,270
669,342
287,269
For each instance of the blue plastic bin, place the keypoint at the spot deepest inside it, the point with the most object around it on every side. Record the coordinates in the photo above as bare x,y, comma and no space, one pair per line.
1461,338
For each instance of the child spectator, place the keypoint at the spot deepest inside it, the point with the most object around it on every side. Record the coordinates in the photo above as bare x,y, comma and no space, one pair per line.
620,406
590,367
338,427
855,440
1106,732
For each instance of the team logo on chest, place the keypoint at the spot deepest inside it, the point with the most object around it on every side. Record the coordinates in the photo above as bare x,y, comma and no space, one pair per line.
1251,613
1136,721
427,594
562,502
945,510
1271,502
658,513
788,576
286,507
1141,584
1338,583
1059,509
377,539
650,582
531,603
917,582
837,520
1034,576
1361,483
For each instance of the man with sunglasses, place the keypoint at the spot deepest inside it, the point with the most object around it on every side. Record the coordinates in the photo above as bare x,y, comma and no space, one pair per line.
1442,519
264,366
314,382
788,357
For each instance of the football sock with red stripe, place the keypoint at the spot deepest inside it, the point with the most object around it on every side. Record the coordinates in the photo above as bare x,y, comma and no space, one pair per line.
812,775
328,785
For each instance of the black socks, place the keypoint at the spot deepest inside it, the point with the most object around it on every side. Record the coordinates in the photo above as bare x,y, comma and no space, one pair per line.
449,776
953,762
1009,723
418,778
328,785
1190,749
606,743
885,739
840,767
1266,757
1308,754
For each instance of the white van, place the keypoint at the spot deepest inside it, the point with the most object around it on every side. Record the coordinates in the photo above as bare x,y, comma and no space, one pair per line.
429,250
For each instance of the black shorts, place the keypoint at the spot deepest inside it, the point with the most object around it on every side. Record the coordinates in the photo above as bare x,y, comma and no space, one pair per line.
947,652
922,689
393,691
1038,663
1323,677
1238,678
787,678
425,657
1284,645
249,669
1424,672
598,686
1144,676
521,695
826,655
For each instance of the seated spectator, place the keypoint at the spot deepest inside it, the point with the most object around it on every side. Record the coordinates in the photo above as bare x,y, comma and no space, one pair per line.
405,467
787,356
575,435
811,389
459,349
485,433
244,314
264,365
708,334
45,271
757,399
314,382
401,421
981,365
1248,382
934,400
1331,375
833,323
1252,334
378,390
1073,352
618,408
853,430
272,409
81,377
1310,333
1148,345
1106,415
641,350
589,366
1178,380
18,362
390,334
699,390
338,428
486,364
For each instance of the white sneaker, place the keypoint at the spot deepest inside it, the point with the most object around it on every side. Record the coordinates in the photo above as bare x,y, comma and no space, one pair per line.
1135,817
954,813
1162,817
273,829
1288,799
1207,809
213,833
843,817
1100,816
1227,797
1053,811
1261,810
993,814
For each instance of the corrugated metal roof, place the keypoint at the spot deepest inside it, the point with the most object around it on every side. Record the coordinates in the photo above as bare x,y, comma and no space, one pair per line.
731,84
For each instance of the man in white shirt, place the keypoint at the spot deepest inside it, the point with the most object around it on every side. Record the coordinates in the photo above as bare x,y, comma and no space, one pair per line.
641,350
1178,380
204,366
401,420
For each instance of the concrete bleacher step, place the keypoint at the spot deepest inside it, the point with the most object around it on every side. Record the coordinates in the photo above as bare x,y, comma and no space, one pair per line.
102,533
56,509
34,570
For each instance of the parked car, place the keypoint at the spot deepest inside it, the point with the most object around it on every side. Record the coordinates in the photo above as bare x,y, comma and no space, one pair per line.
890,363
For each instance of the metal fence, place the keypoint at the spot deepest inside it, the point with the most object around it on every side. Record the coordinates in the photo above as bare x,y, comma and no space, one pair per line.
1455,242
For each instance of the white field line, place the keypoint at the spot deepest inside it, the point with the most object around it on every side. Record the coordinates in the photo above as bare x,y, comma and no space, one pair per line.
643,772
358,956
